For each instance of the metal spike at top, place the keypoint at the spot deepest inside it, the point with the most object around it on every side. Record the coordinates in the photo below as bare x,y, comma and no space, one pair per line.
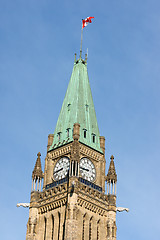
75,55
80,54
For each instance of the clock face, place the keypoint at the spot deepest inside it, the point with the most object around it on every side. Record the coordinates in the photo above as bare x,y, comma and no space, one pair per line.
61,168
87,169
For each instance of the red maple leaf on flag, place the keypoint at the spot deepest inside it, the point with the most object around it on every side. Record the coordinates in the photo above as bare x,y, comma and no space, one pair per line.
86,21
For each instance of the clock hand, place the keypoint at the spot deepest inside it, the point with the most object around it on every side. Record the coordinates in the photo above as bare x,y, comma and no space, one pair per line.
85,169
58,170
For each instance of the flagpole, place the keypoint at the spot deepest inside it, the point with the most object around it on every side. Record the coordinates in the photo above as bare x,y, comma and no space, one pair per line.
81,43
84,24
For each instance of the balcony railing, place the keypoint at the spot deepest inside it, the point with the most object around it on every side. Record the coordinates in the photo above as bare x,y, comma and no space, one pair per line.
90,184
82,180
56,183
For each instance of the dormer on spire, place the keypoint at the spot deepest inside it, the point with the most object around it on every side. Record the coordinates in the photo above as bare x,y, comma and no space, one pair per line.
111,178
37,174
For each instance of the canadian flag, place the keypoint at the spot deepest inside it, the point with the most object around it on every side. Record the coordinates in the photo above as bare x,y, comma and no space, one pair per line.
86,21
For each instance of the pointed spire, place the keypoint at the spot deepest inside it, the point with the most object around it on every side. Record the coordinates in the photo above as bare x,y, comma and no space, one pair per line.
78,108
37,172
112,176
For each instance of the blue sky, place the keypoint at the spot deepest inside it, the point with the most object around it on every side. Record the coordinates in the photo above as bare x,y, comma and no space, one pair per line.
38,40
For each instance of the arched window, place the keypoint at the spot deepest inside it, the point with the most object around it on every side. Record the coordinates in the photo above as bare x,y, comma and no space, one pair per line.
84,133
59,223
93,138
30,225
114,228
83,228
90,229
59,136
52,227
98,229
68,132
45,226
34,228
108,230
112,231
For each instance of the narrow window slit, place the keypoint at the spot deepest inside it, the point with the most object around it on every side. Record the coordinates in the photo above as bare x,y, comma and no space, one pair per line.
59,136
87,106
68,132
45,226
52,226
85,133
69,106
93,138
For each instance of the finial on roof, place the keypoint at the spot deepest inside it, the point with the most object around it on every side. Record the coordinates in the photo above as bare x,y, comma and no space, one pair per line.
112,176
112,157
39,154
80,53
37,172
75,57
86,57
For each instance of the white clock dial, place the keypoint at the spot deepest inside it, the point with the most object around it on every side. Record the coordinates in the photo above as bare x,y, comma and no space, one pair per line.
87,169
61,168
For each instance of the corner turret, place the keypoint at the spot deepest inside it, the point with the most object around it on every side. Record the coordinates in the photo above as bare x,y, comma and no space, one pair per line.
37,175
111,178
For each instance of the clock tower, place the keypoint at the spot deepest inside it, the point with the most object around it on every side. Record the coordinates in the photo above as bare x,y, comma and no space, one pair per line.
77,200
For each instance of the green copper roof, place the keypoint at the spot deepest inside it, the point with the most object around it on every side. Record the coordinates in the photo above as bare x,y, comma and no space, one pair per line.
77,107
